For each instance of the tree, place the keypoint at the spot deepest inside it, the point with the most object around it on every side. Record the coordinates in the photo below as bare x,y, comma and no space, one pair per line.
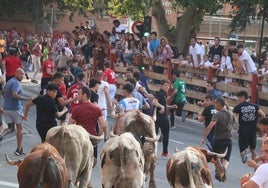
190,13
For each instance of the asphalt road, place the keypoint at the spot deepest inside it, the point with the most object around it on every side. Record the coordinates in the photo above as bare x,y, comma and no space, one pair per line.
186,133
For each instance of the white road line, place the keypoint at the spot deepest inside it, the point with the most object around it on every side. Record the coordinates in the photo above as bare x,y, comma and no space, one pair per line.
175,141
9,184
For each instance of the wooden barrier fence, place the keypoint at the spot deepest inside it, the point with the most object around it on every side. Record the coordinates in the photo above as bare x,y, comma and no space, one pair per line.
196,80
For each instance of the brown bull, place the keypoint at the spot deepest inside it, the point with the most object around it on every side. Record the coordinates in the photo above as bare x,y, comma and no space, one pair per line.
142,125
122,162
74,145
189,168
42,167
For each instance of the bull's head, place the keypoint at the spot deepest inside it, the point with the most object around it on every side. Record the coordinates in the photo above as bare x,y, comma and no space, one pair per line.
215,158
136,122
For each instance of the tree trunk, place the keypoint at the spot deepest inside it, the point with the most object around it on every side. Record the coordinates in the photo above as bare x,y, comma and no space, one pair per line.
158,12
186,26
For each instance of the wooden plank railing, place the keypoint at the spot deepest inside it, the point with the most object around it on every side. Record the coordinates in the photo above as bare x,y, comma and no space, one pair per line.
197,80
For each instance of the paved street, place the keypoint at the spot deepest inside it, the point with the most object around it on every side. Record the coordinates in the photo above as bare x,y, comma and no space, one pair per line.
187,133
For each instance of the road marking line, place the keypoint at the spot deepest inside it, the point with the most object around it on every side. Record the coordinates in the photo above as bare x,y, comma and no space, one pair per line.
175,141
9,184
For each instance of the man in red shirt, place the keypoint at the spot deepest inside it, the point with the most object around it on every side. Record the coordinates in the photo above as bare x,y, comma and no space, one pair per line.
11,63
88,115
73,90
109,76
47,72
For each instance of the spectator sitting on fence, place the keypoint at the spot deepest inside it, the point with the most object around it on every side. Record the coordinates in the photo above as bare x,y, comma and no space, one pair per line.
182,60
263,72
206,63
216,62
226,65
129,49
167,51
246,61
238,69
147,55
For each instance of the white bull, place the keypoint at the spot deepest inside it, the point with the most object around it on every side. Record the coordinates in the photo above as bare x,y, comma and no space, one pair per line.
74,145
142,125
122,162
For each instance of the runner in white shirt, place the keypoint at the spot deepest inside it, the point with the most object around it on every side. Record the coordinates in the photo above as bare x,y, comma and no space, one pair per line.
129,102
104,95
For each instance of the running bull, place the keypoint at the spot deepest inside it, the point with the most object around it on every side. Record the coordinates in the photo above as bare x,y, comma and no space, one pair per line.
122,162
143,125
189,168
74,145
42,167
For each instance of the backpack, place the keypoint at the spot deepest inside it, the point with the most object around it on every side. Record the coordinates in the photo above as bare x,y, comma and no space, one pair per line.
175,52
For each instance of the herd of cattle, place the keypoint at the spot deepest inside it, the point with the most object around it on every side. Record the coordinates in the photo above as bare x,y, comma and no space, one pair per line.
127,159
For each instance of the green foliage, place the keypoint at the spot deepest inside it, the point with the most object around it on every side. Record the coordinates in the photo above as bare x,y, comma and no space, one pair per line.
133,9
247,12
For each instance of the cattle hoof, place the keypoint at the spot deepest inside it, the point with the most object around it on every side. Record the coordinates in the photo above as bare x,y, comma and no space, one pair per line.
152,185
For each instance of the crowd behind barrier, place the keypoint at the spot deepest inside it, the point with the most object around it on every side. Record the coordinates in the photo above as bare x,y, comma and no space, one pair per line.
90,48
196,80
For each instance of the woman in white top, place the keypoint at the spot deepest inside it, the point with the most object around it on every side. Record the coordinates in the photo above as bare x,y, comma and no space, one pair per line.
129,49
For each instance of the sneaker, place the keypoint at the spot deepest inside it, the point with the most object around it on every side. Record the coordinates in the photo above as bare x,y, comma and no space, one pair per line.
245,155
34,81
165,154
19,152
173,127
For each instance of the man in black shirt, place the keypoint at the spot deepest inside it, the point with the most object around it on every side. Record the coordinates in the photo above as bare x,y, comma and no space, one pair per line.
206,116
216,49
94,86
247,118
161,114
46,110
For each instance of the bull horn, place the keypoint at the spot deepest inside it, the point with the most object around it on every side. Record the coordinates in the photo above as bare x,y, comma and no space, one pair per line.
154,139
176,150
220,155
112,134
93,137
10,162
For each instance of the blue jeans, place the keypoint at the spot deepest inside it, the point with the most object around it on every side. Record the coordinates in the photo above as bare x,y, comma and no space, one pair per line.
128,58
25,67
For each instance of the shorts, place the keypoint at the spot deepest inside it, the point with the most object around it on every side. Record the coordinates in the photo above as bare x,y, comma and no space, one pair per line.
13,116
220,145
247,139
